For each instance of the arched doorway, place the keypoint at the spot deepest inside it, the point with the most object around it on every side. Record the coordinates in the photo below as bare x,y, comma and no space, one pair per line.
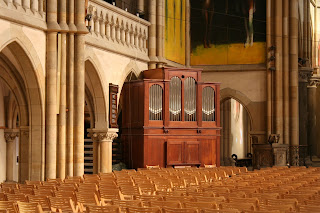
25,105
121,154
236,125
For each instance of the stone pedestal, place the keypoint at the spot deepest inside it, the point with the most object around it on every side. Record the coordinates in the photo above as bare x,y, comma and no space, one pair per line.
280,154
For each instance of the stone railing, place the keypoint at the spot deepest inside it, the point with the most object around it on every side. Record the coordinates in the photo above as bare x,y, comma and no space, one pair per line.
26,12
116,30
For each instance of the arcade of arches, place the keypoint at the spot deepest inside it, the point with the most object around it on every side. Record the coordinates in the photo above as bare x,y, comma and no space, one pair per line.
63,64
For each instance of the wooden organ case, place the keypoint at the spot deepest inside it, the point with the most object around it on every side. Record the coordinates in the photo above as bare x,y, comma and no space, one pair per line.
171,118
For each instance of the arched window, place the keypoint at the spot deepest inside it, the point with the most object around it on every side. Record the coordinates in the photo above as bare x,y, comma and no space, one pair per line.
175,99
208,105
190,99
155,102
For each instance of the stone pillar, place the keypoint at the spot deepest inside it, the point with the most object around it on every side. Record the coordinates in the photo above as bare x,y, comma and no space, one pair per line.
140,7
70,89
152,34
24,150
51,90
79,90
160,33
61,161
285,41
304,76
103,138
293,78
312,117
10,136
305,28
188,39
269,72
278,85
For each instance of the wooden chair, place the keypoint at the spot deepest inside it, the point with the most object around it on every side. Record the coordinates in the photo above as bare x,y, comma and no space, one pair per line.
172,204
17,197
63,204
9,206
200,205
179,210
24,207
240,206
133,209
40,199
219,211
309,208
102,209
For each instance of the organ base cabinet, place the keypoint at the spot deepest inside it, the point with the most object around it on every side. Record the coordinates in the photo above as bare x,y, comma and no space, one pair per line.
171,118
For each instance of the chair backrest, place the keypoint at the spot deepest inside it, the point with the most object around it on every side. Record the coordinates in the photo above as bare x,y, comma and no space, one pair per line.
8,206
133,209
17,197
24,207
102,209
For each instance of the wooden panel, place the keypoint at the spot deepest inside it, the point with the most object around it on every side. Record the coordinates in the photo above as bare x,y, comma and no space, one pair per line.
175,151
192,152
155,152
206,152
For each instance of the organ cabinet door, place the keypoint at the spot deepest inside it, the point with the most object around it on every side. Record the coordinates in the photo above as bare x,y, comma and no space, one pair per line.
180,119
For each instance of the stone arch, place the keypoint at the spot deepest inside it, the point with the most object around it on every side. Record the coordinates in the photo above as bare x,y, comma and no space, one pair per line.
131,67
22,72
228,93
96,91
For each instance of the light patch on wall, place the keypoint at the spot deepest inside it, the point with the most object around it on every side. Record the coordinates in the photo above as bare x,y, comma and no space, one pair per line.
175,26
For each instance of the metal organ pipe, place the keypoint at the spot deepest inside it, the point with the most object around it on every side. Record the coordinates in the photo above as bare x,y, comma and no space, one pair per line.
208,104
190,103
175,99
155,102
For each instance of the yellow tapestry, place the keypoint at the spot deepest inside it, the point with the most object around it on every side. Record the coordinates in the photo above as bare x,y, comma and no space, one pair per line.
175,26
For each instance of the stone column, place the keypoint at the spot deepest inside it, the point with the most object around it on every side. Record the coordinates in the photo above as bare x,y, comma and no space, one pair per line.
293,78
278,85
304,76
305,29
70,89
140,7
51,90
160,33
285,40
269,72
79,90
312,117
61,161
10,135
103,138
188,51
152,34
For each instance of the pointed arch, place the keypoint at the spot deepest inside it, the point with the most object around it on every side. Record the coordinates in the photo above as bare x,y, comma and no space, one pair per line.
21,71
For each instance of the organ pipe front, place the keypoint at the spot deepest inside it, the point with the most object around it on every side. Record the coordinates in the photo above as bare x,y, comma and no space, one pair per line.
171,118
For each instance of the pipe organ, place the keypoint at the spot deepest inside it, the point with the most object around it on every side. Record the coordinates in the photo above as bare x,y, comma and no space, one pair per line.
171,118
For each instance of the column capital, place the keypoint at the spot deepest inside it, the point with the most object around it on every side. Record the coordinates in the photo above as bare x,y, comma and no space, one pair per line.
305,74
314,81
106,135
10,134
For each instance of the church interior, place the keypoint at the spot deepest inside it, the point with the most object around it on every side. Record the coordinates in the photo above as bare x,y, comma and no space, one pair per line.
159,106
